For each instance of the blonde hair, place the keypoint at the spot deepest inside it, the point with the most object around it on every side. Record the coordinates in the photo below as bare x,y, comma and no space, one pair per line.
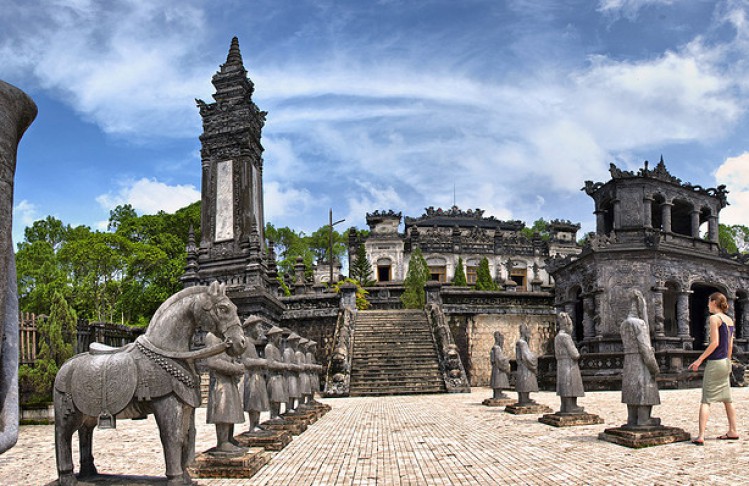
720,300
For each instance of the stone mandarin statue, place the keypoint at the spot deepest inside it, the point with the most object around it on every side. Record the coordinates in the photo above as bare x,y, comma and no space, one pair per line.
639,388
17,111
569,381
526,381
292,371
500,367
277,393
255,388
305,383
224,402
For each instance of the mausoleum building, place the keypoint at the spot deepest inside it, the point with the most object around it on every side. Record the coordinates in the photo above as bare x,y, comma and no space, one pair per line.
659,235
515,261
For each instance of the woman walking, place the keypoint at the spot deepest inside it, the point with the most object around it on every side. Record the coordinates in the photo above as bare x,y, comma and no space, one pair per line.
716,386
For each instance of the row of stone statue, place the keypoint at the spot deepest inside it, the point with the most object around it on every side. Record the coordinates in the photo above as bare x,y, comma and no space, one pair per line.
639,387
289,378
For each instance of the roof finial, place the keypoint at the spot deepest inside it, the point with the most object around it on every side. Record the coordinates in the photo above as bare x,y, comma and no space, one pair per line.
235,57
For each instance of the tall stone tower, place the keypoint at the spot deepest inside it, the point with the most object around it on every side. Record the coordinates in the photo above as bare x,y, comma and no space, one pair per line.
232,247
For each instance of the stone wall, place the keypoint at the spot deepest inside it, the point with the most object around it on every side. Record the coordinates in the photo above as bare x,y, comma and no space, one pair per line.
479,339
474,316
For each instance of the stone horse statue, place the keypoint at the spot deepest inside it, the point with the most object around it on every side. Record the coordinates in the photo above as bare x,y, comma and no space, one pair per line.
155,374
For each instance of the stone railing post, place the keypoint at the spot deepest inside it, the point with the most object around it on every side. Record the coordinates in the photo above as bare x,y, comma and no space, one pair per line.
338,376
666,216
695,223
660,318
451,366
647,212
17,111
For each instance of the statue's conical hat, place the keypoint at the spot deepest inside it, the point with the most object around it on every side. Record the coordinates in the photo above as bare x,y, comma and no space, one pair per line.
294,337
304,341
274,330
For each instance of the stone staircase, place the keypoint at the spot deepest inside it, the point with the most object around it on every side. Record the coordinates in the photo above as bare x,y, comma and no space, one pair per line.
394,354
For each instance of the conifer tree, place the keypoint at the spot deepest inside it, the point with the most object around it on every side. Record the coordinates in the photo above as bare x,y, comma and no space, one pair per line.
484,279
418,273
361,269
56,336
459,280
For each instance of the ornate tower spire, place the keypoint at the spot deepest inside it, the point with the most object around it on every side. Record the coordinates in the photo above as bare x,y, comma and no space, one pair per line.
235,57
231,219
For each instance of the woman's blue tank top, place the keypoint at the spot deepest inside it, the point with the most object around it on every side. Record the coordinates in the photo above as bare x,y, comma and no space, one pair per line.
725,333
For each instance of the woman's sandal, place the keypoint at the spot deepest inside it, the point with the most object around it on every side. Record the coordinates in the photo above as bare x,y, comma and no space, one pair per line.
698,442
728,437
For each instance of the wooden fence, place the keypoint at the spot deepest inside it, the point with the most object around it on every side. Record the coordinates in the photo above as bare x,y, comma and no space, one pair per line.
88,332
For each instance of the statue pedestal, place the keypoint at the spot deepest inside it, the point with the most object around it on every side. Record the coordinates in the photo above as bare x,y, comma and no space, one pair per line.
570,419
637,438
270,440
527,408
290,426
216,465
498,402
300,415
323,407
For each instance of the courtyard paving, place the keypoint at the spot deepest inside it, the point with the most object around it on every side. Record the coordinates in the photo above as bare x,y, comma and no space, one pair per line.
435,440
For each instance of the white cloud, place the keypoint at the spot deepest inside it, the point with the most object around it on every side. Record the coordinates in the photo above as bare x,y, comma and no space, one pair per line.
149,196
128,66
366,197
25,213
734,173
280,201
629,8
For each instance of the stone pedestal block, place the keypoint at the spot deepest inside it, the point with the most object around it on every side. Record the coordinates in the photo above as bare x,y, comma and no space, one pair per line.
644,437
292,427
270,440
498,402
570,419
307,417
208,465
527,408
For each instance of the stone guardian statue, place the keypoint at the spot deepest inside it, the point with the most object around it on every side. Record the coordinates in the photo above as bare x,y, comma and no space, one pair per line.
500,378
277,393
639,389
17,111
255,388
526,381
292,372
569,381
224,403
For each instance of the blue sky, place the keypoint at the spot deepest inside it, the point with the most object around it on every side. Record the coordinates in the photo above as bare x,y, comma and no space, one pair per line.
508,106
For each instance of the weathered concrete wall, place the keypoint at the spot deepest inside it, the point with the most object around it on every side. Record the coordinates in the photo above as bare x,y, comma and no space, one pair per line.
479,339
17,111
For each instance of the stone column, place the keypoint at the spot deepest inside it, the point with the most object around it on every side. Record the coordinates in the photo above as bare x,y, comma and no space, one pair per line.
682,313
17,111
600,221
598,313
647,211
617,214
695,223
589,328
666,215
712,228
745,318
658,290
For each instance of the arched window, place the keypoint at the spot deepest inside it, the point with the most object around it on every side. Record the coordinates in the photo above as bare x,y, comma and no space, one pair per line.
437,269
681,218
656,214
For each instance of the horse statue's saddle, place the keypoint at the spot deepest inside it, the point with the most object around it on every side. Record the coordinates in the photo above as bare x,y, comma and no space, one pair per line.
105,380
101,384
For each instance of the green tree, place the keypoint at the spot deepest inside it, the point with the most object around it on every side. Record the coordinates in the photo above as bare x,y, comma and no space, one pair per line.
540,227
734,238
418,274
459,280
361,269
484,280
361,293
56,336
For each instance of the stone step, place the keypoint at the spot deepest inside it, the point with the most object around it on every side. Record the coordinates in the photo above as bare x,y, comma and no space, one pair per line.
395,391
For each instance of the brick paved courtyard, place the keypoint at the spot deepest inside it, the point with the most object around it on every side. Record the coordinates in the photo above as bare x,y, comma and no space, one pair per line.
435,439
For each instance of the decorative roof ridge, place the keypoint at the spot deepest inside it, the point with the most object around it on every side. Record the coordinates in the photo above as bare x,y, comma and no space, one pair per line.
659,173
384,214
